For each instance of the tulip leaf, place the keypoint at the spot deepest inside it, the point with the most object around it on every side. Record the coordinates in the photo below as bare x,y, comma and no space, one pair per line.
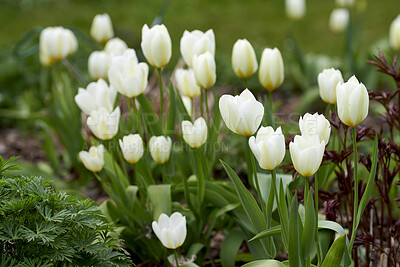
151,118
194,249
307,239
275,230
265,184
131,192
335,253
283,215
294,235
160,199
230,247
265,263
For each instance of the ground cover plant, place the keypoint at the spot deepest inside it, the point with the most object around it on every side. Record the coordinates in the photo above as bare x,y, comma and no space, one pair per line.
179,163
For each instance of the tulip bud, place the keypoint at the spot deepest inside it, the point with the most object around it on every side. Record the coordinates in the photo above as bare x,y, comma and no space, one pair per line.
315,125
195,134
394,34
115,47
268,147
98,65
328,79
187,102
156,45
339,19
171,231
307,152
103,124
295,9
102,29
186,83
97,94
352,102
271,72
242,114
56,43
204,70
160,148
132,148
244,61
127,75
345,3
196,43
94,159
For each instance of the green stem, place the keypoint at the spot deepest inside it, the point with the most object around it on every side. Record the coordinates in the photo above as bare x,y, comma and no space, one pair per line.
319,252
176,258
160,85
245,83
270,109
208,112
355,209
138,121
201,103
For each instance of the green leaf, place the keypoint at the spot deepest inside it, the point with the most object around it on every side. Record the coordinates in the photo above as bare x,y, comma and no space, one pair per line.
283,217
307,239
151,118
160,199
265,184
294,239
194,249
230,247
335,253
131,192
264,263
275,230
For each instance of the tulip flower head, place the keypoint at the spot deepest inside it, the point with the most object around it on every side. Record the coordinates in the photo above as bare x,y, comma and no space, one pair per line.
244,61
115,47
156,45
195,134
103,124
339,19
102,29
187,102
171,231
394,34
132,148
160,148
97,94
186,83
127,75
352,102
271,71
295,9
98,65
268,147
307,152
196,43
315,124
94,159
56,43
242,114
328,79
204,70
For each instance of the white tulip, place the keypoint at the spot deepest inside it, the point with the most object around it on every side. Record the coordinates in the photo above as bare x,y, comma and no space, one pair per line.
115,47
160,148
187,102
339,19
196,43
204,70
244,61
186,83
352,102
94,159
132,147
295,9
156,45
102,29
127,75
97,94
307,152
394,34
271,71
328,79
268,147
56,43
103,124
195,134
171,231
315,124
98,65
242,114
